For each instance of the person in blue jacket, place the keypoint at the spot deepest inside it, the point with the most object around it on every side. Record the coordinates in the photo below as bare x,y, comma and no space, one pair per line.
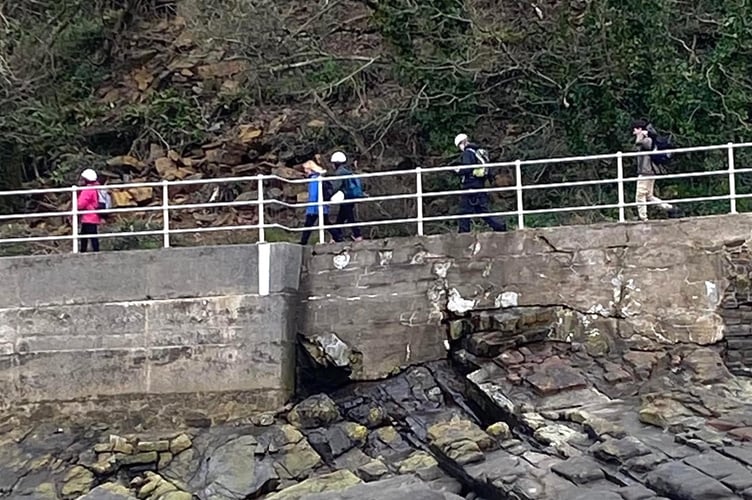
352,188
313,172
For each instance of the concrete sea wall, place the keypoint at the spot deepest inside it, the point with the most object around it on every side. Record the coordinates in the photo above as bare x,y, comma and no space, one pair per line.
188,327
214,329
636,285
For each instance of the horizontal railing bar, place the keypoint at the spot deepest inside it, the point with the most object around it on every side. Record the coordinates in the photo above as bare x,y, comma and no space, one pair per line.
166,207
387,222
67,237
192,206
365,175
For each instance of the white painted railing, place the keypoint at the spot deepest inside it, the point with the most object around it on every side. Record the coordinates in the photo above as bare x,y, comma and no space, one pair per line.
415,177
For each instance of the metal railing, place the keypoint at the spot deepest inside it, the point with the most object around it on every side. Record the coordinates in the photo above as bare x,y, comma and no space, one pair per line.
418,194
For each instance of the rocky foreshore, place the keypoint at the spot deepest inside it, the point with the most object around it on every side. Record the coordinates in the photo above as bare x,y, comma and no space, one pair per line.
513,415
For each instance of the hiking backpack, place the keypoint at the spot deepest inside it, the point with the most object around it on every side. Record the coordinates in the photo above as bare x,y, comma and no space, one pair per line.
353,188
482,156
660,143
328,190
104,201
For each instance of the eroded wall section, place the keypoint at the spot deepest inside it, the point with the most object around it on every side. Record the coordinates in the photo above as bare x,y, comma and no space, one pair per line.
638,285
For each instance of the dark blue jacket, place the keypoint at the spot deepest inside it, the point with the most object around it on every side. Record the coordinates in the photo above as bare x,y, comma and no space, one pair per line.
342,169
469,181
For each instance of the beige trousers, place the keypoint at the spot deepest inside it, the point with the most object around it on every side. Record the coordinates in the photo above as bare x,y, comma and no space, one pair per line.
645,194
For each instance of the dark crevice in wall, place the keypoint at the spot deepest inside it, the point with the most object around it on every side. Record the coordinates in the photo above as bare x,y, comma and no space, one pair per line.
324,364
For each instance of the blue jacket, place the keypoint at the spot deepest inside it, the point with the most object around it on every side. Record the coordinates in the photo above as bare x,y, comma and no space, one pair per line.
313,194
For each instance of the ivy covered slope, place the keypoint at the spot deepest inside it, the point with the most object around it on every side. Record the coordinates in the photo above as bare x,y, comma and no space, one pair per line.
392,81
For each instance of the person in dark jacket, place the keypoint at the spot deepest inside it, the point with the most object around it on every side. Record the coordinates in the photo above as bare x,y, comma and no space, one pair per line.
352,188
474,178
314,173
642,132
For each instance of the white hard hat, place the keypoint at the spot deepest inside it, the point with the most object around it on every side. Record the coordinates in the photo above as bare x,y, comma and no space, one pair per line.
339,157
338,197
460,139
89,175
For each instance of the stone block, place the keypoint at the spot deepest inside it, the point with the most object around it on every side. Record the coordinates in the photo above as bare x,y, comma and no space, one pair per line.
620,450
742,454
715,465
553,378
579,470
677,480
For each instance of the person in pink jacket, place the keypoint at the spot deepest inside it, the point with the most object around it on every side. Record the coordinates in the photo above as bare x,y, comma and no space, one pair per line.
88,199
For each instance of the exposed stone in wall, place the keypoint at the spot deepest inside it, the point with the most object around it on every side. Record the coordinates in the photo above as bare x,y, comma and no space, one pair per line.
736,307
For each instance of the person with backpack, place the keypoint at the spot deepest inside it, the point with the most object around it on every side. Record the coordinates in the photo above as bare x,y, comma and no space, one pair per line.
314,173
647,139
474,175
90,199
352,188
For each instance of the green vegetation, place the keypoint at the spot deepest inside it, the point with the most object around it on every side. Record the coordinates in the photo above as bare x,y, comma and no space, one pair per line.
395,80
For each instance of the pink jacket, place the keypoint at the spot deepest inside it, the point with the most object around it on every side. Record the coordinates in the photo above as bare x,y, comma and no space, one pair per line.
88,199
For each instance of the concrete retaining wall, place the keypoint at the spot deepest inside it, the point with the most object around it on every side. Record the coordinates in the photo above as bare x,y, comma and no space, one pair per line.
126,325
215,327
636,284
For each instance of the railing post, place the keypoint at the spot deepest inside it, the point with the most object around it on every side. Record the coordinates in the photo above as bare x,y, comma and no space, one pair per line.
732,178
518,184
165,214
620,183
419,198
74,217
320,207
261,222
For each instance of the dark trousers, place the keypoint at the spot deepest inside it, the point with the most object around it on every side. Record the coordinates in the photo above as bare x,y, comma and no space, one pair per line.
88,230
311,220
478,203
346,215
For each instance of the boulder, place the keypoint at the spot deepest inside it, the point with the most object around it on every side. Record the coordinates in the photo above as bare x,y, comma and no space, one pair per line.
499,430
460,440
180,444
387,443
333,441
298,461
233,473
422,464
109,491
331,483
400,487
156,487
373,470
316,411
662,411
78,480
